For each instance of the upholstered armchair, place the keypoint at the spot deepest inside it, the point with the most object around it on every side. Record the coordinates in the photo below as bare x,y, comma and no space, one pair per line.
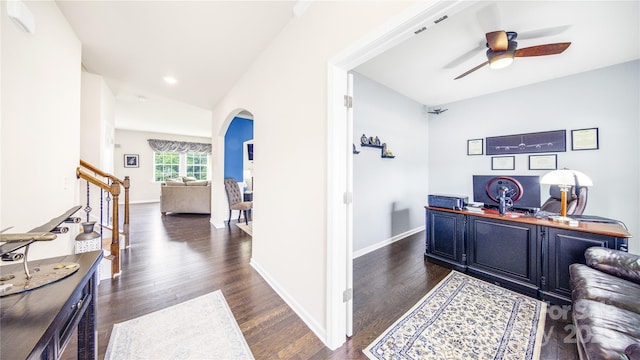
234,196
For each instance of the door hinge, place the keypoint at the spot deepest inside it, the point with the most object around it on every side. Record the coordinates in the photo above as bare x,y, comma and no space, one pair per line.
347,295
348,101
347,198
543,282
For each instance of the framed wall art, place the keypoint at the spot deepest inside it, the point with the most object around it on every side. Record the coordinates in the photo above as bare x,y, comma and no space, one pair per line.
548,141
503,163
475,147
131,160
543,162
584,139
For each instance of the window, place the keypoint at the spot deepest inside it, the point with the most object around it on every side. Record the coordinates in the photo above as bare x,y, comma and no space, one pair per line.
197,165
167,165
171,165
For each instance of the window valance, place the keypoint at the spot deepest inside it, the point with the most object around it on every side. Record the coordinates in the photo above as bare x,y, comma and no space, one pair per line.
179,146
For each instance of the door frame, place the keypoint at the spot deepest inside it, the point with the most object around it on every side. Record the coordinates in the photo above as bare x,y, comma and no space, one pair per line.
339,184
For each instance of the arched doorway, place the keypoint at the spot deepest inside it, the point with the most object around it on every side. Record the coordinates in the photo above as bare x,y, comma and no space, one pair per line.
231,159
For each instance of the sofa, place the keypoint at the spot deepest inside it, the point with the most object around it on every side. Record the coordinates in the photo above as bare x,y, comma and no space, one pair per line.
185,195
606,304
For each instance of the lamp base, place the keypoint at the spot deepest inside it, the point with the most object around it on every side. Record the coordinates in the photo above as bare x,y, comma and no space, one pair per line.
565,220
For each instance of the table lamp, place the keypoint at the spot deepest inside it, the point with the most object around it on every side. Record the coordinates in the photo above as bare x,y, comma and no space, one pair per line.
565,179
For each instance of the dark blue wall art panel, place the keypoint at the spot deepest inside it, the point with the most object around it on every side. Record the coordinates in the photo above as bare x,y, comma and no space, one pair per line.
239,131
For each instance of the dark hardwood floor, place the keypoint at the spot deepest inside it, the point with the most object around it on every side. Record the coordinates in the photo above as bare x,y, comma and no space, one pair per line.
180,256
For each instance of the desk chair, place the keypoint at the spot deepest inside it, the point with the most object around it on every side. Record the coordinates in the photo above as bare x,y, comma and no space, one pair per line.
235,200
576,203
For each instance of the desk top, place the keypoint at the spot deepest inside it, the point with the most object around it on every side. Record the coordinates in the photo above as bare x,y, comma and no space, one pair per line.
25,318
609,229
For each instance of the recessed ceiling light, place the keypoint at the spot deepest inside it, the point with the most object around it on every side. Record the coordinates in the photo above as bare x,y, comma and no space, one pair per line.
169,79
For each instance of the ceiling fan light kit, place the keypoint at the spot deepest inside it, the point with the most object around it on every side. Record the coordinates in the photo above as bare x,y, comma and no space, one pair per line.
502,59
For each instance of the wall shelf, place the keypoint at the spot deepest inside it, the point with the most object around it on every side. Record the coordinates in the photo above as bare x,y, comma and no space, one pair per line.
381,147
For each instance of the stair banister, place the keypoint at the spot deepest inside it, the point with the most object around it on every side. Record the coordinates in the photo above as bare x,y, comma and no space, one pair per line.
113,187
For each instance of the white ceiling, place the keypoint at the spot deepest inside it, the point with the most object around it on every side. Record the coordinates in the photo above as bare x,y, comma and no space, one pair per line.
422,68
208,45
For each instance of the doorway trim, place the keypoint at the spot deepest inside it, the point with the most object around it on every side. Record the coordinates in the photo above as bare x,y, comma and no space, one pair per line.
390,34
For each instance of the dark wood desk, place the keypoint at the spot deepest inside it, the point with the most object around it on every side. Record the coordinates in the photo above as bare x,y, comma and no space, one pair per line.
522,253
38,324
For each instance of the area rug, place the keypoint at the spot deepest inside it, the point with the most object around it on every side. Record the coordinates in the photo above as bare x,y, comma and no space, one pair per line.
246,228
200,328
465,318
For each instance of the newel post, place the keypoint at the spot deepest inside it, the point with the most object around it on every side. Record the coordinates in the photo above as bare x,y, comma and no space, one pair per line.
115,232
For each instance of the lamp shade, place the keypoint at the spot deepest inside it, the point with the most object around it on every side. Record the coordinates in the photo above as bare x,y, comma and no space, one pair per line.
566,177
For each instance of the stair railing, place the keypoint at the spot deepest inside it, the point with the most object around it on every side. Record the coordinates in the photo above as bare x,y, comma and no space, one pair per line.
112,186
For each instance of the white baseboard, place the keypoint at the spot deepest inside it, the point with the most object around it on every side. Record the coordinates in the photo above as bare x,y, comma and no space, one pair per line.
217,225
386,242
293,304
143,202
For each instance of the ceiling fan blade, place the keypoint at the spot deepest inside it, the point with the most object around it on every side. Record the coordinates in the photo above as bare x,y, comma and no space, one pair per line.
541,50
472,70
466,56
550,31
497,40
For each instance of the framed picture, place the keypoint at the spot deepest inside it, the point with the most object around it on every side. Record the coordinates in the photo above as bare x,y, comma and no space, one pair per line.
543,162
475,147
503,163
131,161
540,142
584,139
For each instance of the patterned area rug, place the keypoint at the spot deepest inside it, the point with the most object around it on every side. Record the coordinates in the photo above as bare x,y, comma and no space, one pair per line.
465,318
200,328
246,228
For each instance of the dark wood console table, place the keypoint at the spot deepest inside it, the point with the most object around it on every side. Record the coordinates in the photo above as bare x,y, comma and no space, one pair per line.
38,324
522,253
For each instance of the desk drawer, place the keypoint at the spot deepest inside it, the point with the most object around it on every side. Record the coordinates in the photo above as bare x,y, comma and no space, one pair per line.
71,314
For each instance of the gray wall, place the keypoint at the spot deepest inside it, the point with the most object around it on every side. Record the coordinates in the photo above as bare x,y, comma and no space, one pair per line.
605,98
389,194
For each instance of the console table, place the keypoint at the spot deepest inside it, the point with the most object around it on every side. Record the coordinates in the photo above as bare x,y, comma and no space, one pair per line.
38,324
521,253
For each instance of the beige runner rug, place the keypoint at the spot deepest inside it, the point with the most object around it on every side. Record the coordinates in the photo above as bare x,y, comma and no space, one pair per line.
200,328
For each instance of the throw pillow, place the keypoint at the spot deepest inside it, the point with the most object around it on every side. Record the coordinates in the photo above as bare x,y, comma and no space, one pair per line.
171,182
197,183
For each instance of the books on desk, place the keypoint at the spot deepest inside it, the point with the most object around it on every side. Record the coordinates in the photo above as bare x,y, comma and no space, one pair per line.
475,207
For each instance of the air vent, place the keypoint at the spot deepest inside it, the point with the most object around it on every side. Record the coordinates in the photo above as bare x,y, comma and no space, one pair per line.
441,19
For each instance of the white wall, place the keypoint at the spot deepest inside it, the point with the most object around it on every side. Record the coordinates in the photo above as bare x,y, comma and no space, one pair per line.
606,98
286,91
97,112
388,194
143,187
40,124
97,124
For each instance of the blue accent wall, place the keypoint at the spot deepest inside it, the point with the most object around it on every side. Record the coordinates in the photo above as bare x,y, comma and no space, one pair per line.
239,131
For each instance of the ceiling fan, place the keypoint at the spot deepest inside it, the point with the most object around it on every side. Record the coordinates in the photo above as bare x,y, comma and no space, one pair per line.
502,49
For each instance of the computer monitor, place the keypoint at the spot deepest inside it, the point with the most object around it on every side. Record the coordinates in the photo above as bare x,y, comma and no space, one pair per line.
485,190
